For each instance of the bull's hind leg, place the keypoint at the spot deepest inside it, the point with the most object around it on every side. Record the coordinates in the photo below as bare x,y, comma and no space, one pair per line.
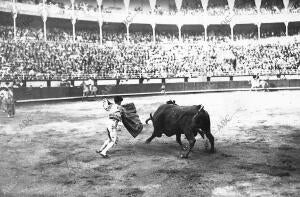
9,111
211,141
14,109
150,139
178,140
191,138
154,134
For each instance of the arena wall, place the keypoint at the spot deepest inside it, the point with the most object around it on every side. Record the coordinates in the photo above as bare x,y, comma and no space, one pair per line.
119,87
294,83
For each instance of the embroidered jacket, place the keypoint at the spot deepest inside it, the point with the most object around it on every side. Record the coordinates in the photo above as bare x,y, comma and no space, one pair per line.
114,109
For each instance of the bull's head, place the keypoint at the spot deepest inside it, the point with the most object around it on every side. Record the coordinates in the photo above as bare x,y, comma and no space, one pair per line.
197,116
201,107
200,121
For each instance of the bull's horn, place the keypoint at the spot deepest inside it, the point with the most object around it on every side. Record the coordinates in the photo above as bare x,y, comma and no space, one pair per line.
201,108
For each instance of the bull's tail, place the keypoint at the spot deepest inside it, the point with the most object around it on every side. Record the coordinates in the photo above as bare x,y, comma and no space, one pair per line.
150,118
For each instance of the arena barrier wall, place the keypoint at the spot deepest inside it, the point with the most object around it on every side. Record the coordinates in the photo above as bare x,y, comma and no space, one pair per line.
294,83
116,88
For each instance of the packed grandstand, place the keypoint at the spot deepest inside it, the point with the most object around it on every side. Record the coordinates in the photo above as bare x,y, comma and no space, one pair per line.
146,38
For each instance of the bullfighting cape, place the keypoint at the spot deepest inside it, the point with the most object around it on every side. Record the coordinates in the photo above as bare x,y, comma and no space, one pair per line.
131,120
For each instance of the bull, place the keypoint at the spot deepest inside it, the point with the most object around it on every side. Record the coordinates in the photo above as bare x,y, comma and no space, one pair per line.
171,119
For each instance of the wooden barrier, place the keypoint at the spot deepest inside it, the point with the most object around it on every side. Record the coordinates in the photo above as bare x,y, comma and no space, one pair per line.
109,87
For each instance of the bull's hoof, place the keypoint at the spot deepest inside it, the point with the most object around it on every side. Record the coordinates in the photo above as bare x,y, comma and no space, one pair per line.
212,151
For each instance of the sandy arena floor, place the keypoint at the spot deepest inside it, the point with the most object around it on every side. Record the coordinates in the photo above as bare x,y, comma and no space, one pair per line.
49,150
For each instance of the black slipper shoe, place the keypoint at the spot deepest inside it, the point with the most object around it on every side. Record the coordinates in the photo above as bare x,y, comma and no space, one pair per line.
104,156
98,151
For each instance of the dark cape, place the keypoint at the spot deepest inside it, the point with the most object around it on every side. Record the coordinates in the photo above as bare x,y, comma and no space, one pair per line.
131,120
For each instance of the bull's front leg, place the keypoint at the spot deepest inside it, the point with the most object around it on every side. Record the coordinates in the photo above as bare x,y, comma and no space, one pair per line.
178,140
191,139
156,133
211,141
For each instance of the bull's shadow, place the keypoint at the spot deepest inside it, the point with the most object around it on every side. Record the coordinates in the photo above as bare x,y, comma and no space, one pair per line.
166,146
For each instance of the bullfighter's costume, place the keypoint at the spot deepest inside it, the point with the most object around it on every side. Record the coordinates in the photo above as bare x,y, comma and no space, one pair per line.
7,102
115,114
126,114
90,83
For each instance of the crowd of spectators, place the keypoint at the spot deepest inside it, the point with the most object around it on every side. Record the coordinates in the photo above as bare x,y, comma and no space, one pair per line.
272,34
141,37
58,34
23,33
251,35
85,7
66,5
159,10
272,10
30,1
50,59
198,11
247,10
192,37
217,11
294,6
193,7
166,37
261,58
31,57
6,32
93,35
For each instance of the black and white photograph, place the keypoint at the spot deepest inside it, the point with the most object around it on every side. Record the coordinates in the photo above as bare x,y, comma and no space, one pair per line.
149,98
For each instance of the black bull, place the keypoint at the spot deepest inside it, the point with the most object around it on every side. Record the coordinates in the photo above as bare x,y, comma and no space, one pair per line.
170,119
